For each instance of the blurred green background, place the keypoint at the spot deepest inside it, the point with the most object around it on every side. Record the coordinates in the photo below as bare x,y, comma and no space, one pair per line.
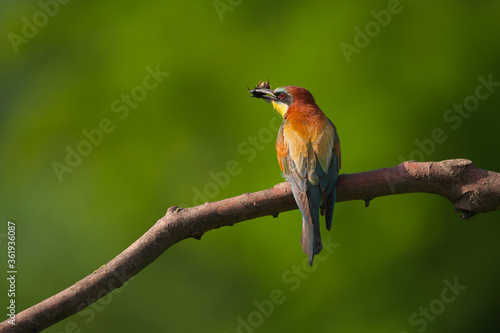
61,76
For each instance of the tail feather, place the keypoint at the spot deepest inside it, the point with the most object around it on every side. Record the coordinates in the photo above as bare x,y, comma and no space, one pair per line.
311,239
329,206
309,205
330,193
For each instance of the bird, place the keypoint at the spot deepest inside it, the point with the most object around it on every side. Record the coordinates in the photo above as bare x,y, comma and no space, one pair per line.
308,151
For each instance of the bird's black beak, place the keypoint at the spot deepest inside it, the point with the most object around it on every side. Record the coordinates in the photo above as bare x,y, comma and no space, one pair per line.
265,94
263,90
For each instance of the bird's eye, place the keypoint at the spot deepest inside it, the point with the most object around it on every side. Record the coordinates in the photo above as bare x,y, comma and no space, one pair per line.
281,95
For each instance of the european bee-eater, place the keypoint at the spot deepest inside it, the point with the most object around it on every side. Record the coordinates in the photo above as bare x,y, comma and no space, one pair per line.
308,150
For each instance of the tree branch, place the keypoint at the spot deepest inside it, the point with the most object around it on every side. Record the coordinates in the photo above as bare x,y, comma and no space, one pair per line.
471,190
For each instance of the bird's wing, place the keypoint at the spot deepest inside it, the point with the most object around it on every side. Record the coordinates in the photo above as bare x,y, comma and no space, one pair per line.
291,149
326,146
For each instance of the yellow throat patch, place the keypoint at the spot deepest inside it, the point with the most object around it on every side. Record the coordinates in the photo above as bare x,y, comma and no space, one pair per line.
280,107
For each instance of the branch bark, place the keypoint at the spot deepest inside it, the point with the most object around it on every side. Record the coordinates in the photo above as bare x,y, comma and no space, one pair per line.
471,190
